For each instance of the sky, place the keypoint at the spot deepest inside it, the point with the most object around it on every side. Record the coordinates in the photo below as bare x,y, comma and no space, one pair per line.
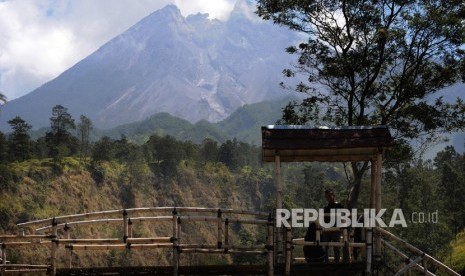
39,39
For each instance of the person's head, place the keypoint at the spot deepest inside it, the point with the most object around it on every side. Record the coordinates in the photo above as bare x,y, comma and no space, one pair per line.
329,194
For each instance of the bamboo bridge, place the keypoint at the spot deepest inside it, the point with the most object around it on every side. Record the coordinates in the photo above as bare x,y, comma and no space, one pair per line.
57,237
379,252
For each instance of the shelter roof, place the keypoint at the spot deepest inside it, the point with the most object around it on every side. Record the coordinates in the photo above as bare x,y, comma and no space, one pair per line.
327,144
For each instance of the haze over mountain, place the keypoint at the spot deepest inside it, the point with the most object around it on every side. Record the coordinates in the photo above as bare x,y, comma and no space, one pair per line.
193,68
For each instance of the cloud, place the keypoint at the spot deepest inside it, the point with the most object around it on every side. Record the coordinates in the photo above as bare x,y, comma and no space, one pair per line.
39,39
219,9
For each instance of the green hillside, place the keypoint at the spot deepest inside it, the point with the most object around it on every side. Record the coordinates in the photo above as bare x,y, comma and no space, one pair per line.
244,124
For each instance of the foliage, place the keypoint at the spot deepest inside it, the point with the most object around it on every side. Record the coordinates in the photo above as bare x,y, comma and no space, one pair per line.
84,128
456,259
3,148
59,140
375,63
20,144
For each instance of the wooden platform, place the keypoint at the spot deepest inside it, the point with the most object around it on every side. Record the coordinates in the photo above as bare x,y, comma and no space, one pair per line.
168,270
327,269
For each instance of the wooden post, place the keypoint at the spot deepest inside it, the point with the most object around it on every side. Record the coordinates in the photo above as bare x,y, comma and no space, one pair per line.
425,266
3,250
369,230
176,221
125,225
345,248
279,188
288,251
226,232
279,205
369,246
219,240
373,184
130,228
69,252
269,241
54,247
379,160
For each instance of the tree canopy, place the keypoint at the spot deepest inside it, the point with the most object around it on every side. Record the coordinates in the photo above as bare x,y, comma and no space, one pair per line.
372,62
376,62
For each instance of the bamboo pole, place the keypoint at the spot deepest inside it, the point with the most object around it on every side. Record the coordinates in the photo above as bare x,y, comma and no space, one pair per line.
288,251
122,246
20,244
369,231
379,162
369,247
417,251
61,220
199,218
407,267
250,221
69,252
140,219
3,250
25,237
221,251
25,266
125,226
269,241
279,205
226,232
213,246
175,261
219,237
129,229
92,241
345,248
151,240
331,244
54,248
405,257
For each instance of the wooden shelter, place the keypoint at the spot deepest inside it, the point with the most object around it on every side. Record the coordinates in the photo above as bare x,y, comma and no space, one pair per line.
293,143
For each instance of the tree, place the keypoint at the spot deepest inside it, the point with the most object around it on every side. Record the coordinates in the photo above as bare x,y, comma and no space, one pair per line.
3,148
450,164
20,144
209,150
164,154
229,155
103,150
375,63
83,128
59,140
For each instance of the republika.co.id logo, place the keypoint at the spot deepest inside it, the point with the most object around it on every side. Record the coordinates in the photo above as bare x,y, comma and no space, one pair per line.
349,218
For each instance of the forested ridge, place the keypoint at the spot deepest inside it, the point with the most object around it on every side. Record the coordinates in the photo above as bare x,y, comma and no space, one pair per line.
65,173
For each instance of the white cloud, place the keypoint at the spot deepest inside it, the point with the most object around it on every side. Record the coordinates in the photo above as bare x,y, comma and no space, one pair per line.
219,9
39,39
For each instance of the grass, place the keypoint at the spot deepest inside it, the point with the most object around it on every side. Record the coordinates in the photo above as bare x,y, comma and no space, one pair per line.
456,259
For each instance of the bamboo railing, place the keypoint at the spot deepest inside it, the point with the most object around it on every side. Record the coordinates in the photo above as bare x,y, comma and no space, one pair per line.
53,233
45,232
410,263
419,262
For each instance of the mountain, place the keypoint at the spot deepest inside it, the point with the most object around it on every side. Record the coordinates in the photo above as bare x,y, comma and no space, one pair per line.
194,68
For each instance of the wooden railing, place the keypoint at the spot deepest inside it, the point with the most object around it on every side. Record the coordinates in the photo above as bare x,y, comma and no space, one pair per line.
52,233
46,232
420,261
